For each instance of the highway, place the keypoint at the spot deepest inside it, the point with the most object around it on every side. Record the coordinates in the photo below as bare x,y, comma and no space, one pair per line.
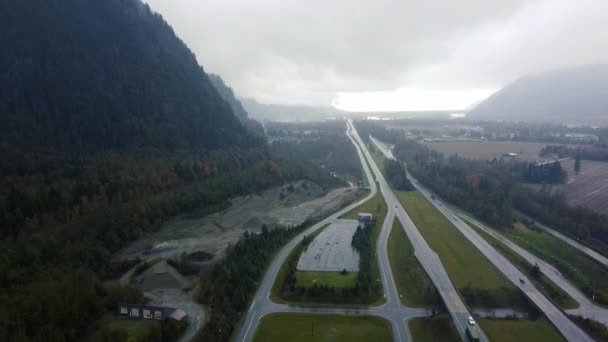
586,307
391,310
428,258
567,328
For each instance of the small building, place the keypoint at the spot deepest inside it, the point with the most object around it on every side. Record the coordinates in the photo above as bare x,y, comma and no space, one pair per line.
510,155
365,217
150,312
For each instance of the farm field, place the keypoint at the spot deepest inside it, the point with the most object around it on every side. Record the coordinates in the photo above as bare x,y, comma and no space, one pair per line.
508,330
432,329
322,328
482,285
528,151
585,273
414,285
587,189
333,279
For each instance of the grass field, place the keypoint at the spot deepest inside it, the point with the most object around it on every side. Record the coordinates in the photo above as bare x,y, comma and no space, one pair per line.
414,285
503,330
377,156
133,330
584,272
432,329
333,279
275,292
459,255
376,206
544,284
294,327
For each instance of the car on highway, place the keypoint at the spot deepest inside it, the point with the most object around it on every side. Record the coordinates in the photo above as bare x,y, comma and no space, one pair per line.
471,320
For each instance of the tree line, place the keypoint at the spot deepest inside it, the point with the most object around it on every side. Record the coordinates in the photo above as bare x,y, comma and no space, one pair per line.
229,286
64,215
584,153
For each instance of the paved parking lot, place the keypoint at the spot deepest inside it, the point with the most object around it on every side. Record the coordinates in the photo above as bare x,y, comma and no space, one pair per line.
331,250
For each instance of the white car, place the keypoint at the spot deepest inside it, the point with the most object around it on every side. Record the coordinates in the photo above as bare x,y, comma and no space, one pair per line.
471,321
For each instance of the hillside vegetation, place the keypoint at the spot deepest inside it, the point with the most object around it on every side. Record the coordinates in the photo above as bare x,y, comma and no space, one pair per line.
98,75
109,128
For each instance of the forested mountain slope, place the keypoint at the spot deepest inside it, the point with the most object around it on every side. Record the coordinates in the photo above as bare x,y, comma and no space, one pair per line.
87,74
109,128
575,95
253,127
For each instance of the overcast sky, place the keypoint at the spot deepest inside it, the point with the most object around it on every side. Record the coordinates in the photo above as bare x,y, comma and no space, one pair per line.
383,54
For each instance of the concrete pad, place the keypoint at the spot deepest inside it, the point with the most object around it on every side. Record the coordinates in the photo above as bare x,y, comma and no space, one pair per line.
332,249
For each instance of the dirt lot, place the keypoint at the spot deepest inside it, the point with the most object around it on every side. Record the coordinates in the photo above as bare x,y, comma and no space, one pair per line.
489,149
287,205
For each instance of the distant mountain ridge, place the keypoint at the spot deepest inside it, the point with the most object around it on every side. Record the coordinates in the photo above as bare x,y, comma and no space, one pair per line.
254,128
572,95
99,75
228,95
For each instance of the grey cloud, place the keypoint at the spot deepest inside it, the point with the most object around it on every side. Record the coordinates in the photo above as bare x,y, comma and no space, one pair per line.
308,51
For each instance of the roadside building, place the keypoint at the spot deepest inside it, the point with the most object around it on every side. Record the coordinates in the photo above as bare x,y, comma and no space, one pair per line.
150,312
365,217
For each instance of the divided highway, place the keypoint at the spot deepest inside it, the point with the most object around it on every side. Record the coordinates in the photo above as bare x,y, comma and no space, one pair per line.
586,308
428,258
391,310
567,328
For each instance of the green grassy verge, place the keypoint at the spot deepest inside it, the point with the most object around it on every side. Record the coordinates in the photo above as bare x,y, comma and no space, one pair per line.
544,284
595,329
377,156
480,283
333,279
507,330
585,273
414,285
275,292
111,329
294,327
432,329
376,206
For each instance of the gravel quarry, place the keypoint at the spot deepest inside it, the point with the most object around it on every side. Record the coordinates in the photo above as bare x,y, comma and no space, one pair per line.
290,204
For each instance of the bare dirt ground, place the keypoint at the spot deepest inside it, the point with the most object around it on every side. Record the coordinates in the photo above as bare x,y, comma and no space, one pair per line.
176,298
527,151
587,189
286,205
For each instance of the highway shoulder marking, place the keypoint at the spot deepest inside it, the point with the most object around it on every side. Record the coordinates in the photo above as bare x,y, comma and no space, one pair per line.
249,327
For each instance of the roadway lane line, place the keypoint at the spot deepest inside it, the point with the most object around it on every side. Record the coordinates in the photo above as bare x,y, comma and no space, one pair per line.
249,327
